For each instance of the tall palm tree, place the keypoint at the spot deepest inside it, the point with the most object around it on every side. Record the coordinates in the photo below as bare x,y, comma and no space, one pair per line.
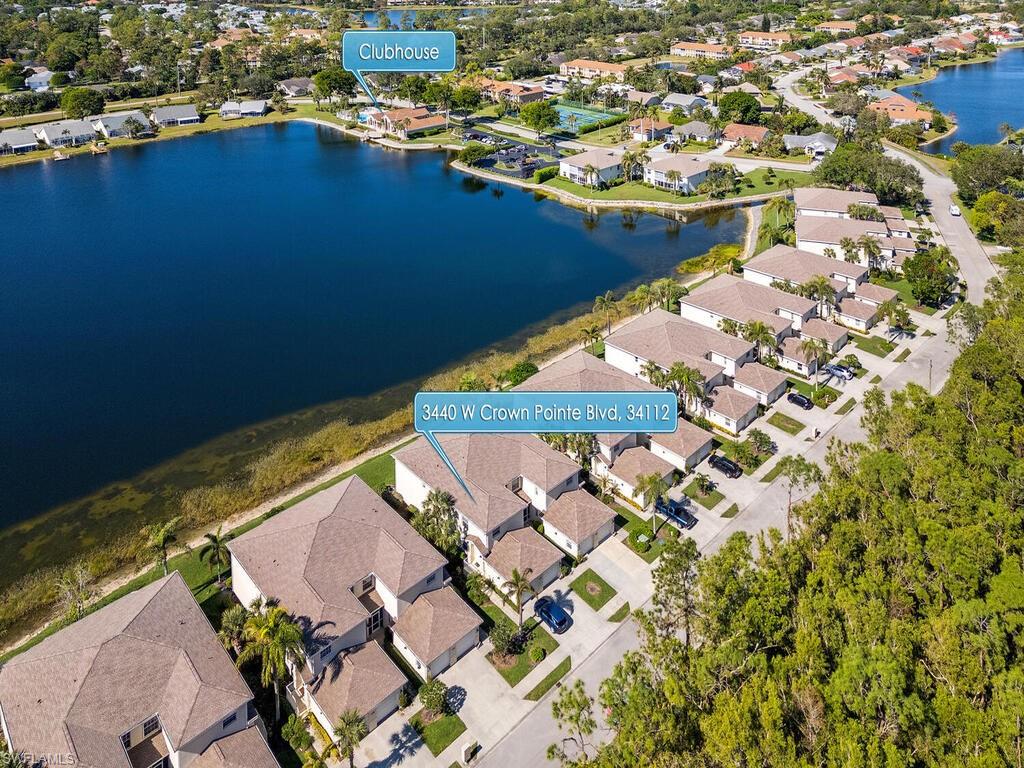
654,373
215,553
651,488
820,289
161,539
729,326
871,248
11,759
761,336
275,638
348,732
591,335
851,252
628,164
673,177
607,305
640,298
638,111
232,627
518,586
688,384
816,350
591,175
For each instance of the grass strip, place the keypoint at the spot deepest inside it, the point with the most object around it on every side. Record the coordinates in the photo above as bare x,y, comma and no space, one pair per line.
550,679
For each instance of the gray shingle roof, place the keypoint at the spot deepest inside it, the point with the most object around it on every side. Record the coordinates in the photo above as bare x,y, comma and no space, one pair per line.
435,622
582,372
578,514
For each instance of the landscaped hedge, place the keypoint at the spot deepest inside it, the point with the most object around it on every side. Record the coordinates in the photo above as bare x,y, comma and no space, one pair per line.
544,174
606,123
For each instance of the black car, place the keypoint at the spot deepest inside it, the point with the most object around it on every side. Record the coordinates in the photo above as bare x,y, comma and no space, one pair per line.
556,619
800,401
726,466
675,511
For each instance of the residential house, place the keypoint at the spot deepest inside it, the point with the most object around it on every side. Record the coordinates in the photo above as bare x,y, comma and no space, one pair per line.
764,384
648,129
39,81
695,130
143,681
112,125
15,141
643,98
902,111
513,479
820,234
176,114
296,86
591,70
726,297
347,565
65,133
764,41
592,167
687,102
405,122
707,83
693,50
729,409
837,27
678,173
685,448
744,87
515,94
815,145
735,133
820,201
629,467
578,522
436,631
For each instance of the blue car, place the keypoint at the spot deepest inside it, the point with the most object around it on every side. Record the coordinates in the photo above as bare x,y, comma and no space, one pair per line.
556,619
677,512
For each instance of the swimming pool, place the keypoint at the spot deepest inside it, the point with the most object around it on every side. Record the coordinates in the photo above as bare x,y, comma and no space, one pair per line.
580,116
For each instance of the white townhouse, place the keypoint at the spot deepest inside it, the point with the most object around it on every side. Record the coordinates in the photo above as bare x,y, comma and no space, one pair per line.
592,167
348,566
16,141
833,203
678,173
176,114
143,682
726,297
234,110
112,125
821,234
514,479
65,133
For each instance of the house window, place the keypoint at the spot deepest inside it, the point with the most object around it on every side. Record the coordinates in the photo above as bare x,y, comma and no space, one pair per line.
368,583
227,721
151,726
126,741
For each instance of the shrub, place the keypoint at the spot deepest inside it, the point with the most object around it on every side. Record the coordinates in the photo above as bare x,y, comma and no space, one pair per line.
404,699
474,152
434,697
505,639
599,124
544,174
823,398
296,733
537,654
638,544
520,372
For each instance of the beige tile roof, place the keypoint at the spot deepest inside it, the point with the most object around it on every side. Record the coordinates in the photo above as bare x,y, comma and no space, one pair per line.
825,229
858,309
435,622
687,165
790,348
522,549
760,377
746,301
667,338
685,441
877,293
360,679
311,555
784,262
150,652
599,158
245,749
738,132
730,402
816,328
633,463
835,200
488,463
582,372
578,514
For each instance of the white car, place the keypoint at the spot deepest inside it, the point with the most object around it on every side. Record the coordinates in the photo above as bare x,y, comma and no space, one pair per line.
954,210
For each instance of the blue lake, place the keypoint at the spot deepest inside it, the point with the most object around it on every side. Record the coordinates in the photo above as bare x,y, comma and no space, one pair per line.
159,296
982,96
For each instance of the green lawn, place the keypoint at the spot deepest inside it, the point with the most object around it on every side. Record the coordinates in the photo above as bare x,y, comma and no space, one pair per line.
620,613
846,407
903,355
785,423
440,733
605,137
874,345
902,286
801,158
876,379
630,521
708,502
592,589
728,449
771,474
806,388
732,511
550,679
521,666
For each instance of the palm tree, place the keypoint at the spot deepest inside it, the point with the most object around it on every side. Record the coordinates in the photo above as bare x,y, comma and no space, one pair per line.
688,384
232,627
871,248
673,177
161,539
640,298
761,336
816,350
654,373
275,638
312,760
11,759
348,732
628,164
591,175
821,290
591,335
518,587
851,252
729,326
608,306
651,488
638,111
215,552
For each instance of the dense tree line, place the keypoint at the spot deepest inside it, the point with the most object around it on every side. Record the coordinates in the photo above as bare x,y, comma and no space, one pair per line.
885,632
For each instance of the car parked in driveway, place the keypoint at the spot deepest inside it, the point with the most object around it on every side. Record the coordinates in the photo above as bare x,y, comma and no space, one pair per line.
552,614
800,401
727,467
676,511
839,371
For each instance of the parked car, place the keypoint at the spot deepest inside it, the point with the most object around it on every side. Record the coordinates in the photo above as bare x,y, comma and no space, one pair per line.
727,467
552,614
954,210
800,401
675,511
839,371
